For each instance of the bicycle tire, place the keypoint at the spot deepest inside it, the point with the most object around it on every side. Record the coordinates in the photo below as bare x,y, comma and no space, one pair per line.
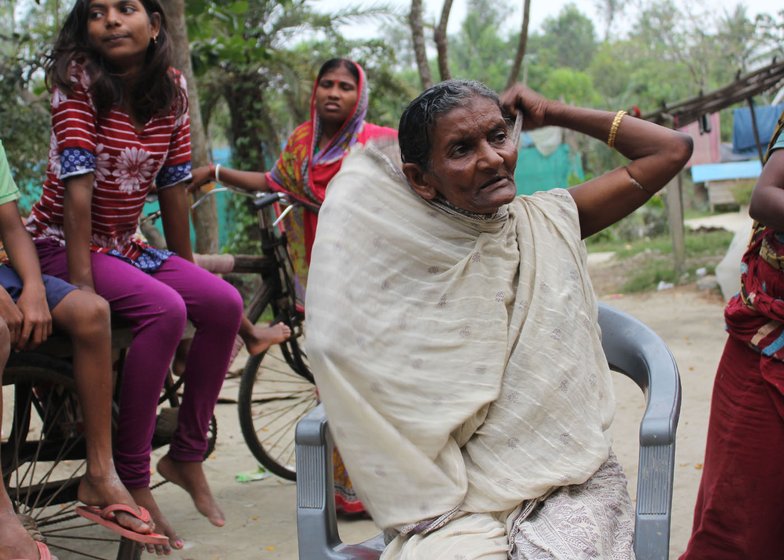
44,458
276,391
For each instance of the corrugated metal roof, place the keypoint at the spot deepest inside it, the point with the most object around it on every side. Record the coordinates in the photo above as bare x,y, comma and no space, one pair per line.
726,171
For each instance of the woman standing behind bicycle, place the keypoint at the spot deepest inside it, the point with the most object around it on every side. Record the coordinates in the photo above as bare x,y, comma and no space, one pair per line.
120,129
312,156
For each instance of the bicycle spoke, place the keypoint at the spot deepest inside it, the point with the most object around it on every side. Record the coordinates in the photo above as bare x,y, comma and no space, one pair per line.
63,452
56,532
283,412
271,397
280,411
81,553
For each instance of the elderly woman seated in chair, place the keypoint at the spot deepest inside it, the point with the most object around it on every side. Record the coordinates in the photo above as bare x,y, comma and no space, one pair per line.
452,329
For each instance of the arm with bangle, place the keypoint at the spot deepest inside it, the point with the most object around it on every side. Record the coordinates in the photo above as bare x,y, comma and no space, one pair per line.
246,180
656,155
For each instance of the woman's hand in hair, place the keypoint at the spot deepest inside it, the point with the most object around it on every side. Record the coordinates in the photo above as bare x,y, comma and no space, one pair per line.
521,98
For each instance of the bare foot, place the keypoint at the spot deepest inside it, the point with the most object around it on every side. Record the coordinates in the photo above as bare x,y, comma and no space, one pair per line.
261,338
15,541
190,477
106,491
143,497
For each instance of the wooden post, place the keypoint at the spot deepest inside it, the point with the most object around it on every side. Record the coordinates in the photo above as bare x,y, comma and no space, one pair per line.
674,200
754,128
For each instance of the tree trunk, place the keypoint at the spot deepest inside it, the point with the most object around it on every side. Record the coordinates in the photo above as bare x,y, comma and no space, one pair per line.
418,38
243,92
521,46
205,218
441,41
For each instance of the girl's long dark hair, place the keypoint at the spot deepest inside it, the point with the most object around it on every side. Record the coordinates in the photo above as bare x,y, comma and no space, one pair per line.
154,93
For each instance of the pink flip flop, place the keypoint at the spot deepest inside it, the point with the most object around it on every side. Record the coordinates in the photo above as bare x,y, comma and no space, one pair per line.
43,552
107,518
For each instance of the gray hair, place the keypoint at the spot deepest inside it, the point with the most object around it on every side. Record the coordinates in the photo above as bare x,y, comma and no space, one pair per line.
418,121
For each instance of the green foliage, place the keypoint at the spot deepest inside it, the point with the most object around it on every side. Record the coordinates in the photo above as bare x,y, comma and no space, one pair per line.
24,130
478,52
741,191
571,86
568,40
24,103
651,258
648,221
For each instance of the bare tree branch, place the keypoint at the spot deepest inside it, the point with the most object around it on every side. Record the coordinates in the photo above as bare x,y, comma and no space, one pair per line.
418,38
441,40
514,73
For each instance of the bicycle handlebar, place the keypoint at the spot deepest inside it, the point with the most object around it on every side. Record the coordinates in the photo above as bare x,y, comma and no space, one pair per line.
260,201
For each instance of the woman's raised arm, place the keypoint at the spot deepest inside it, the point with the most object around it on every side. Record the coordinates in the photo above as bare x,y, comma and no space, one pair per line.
767,200
657,154
247,180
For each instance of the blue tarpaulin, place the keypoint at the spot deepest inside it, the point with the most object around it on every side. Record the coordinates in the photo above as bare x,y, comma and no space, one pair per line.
726,171
743,132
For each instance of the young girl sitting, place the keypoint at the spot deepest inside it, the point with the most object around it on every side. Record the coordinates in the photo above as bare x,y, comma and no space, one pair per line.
120,129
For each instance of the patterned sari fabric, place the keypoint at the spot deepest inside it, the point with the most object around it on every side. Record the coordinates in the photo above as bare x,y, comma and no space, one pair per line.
756,314
303,171
739,509
461,367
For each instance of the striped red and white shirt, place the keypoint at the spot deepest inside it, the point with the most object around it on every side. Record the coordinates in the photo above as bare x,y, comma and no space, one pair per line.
127,165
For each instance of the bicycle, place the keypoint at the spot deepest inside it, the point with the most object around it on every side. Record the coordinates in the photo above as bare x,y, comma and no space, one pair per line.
276,386
43,449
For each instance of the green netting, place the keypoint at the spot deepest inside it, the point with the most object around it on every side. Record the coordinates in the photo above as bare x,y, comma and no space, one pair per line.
536,172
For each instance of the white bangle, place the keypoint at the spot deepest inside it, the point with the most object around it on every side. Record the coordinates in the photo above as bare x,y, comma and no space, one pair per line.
217,172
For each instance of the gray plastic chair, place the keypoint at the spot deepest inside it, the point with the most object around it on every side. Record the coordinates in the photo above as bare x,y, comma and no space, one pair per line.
631,348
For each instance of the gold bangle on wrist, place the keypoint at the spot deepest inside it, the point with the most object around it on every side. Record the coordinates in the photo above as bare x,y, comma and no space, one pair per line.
616,123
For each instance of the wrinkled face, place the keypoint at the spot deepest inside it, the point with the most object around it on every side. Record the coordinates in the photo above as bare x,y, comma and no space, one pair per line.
336,96
121,31
472,159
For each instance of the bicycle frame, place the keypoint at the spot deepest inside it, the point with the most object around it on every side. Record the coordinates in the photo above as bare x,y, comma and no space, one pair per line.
277,272
281,284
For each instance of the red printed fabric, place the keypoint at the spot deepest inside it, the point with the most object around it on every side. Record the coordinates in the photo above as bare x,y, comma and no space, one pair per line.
127,164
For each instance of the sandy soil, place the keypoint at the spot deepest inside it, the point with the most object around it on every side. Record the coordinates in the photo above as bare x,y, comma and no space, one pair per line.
260,514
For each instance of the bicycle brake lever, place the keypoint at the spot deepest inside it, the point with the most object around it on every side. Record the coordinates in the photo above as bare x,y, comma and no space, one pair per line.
282,215
206,195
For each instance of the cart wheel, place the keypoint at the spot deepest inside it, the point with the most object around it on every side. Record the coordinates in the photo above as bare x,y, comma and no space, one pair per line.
43,458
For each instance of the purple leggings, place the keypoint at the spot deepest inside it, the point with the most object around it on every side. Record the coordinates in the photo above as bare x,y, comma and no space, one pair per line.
157,305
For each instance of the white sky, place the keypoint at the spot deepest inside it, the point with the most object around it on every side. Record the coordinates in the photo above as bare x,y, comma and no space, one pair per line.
540,10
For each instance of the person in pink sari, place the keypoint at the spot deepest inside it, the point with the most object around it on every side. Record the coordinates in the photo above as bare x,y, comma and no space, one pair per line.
313,155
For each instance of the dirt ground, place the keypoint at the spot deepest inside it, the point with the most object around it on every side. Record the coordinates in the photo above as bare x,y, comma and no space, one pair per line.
261,514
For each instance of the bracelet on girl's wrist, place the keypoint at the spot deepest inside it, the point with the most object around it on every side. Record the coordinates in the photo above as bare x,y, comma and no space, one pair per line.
217,172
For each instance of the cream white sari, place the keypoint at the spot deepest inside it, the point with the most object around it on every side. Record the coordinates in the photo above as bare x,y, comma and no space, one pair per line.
458,357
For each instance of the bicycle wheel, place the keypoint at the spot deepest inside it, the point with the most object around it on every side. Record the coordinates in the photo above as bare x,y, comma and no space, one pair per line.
276,391
43,458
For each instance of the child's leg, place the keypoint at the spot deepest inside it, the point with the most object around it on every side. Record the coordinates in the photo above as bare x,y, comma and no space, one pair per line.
157,317
85,317
215,309
15,542
258,339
